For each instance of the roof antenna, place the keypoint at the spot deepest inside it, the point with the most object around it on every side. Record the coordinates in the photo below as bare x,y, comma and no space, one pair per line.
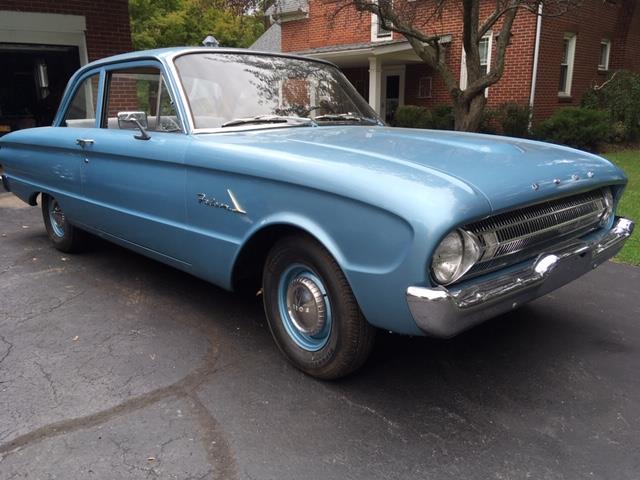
211,41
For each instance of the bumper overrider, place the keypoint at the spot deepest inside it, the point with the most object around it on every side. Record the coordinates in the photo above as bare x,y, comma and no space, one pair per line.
444,312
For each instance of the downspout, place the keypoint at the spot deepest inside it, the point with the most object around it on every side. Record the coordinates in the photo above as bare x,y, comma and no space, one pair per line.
536,56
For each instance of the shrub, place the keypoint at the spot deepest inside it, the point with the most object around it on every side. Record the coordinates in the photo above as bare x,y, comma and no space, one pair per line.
618,132
442,118
619,96
514,119
488,122
412,116
582,128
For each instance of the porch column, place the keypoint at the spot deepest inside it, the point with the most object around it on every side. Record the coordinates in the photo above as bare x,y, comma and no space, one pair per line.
375,83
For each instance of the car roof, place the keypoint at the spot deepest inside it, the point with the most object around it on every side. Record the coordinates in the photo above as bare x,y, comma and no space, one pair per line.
172,52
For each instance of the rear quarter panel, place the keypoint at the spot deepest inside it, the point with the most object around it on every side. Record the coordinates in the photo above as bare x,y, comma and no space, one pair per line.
44,160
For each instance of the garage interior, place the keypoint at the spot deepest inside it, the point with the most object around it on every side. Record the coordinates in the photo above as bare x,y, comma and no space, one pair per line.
33,82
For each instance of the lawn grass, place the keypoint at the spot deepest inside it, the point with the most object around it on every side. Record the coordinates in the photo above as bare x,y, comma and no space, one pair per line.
629,161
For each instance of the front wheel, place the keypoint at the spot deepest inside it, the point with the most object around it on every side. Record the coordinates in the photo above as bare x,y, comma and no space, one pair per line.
64,236
312,313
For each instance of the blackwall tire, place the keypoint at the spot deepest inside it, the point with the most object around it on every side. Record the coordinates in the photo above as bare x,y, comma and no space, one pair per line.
64,236
311,311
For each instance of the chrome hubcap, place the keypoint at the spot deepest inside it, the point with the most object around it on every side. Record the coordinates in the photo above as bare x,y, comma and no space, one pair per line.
57,218
306,306
305,309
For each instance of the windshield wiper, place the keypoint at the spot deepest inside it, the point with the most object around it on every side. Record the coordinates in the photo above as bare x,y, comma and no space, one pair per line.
345,117
268,119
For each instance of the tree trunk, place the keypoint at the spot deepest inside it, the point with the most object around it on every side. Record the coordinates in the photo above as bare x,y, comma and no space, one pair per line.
468,115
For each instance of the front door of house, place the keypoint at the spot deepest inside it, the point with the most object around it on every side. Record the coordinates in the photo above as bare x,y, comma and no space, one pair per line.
392,93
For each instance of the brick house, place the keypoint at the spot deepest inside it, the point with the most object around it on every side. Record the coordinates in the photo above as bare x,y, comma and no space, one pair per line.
551,61
42,42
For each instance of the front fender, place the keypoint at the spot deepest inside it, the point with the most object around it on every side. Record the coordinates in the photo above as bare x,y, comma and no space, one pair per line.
375,254
375,265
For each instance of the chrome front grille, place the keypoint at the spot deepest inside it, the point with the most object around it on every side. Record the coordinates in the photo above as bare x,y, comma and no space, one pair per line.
511,237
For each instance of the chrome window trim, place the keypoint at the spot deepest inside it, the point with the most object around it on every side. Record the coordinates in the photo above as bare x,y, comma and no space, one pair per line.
181,93
170,64
111,68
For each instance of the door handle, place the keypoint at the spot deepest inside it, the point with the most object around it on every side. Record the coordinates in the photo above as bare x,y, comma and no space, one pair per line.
83,142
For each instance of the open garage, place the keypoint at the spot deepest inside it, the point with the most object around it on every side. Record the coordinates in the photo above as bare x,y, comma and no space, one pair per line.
42,43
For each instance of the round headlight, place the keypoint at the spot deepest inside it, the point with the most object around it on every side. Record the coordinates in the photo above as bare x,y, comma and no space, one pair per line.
608,205
454,256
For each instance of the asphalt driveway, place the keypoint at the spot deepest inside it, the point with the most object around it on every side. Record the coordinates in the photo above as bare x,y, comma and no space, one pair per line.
113,366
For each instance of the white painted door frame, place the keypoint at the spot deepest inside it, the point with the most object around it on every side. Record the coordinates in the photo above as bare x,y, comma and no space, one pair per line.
400,71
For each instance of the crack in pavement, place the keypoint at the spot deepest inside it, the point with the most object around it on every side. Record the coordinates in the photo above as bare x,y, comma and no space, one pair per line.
45,311
217,447
9,349
216,450
392,427
213,439
49,380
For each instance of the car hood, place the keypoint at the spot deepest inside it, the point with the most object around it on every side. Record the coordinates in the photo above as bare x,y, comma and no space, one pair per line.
507,171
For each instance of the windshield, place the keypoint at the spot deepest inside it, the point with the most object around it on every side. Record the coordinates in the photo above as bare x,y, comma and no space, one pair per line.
228,89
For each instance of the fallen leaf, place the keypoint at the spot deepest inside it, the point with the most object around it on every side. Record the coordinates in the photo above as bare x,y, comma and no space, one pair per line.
76,338
151,459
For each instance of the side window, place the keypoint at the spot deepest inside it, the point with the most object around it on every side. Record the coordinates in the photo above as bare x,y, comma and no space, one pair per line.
566,64
141,90
82,109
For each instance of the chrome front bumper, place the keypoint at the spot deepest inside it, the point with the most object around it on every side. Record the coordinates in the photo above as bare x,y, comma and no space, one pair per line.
444,312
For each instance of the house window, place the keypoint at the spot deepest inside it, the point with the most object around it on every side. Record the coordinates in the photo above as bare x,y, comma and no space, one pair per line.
566,65
382,32
377,32
605,51
424,87
484,48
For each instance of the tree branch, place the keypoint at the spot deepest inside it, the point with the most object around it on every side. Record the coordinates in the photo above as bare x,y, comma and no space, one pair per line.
494,72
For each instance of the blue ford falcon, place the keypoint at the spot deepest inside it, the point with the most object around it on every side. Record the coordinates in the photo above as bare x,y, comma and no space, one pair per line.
269,172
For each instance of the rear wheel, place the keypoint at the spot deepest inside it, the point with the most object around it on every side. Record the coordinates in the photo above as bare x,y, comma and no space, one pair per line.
312,313
64,236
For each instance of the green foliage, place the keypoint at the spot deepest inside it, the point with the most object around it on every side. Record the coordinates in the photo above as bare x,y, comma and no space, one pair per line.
413,116
488,121
443,118
620,98
166,23
513,119
629,161
582,128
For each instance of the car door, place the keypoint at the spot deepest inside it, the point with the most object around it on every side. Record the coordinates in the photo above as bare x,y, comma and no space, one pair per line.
55,157
135,180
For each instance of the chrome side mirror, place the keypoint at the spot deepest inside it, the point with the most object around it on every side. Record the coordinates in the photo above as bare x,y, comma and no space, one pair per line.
139,119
